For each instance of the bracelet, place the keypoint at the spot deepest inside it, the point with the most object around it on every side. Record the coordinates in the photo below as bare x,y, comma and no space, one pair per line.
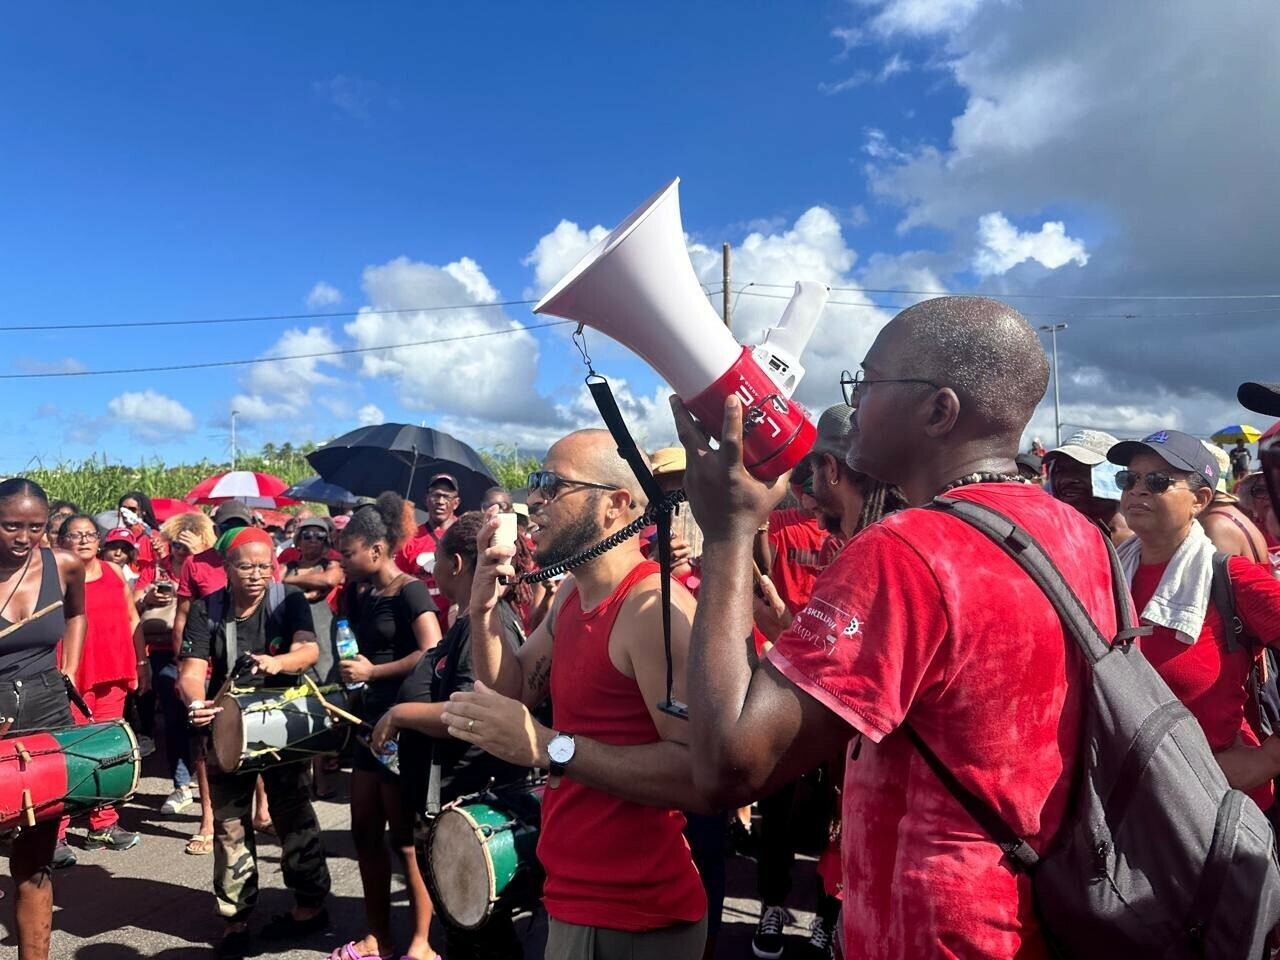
143,663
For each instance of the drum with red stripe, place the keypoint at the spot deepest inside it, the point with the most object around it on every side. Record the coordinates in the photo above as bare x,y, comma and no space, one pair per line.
55,773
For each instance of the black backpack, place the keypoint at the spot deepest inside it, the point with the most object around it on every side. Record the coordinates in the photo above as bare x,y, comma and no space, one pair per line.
1157,856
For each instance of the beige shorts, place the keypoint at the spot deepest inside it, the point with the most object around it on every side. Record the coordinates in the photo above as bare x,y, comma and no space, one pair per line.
568,941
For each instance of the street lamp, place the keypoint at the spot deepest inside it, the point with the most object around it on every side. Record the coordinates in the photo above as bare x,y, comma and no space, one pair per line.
235,413
1052,329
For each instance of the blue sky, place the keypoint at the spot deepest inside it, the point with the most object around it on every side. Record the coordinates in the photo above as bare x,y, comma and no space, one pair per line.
195,164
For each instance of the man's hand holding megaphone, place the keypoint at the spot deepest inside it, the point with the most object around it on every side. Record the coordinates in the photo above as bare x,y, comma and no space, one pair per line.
728,502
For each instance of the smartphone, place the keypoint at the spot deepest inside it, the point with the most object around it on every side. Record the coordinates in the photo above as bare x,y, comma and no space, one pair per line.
164,588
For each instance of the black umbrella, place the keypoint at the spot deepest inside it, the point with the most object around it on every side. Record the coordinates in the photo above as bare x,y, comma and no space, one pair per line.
403,458
315,490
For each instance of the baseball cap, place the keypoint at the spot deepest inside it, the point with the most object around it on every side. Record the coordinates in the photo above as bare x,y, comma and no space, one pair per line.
668,460
1180,450
120,535
1261,398
1086,446
233,510
448,478
1029,464
834,429
1224,469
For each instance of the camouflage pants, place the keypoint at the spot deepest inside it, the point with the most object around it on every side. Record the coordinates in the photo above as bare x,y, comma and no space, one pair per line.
235,867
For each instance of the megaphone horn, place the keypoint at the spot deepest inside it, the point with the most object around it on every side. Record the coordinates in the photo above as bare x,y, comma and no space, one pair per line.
638,287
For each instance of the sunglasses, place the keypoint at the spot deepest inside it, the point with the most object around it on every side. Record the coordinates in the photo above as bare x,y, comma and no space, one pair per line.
548,484
1155,482
313,535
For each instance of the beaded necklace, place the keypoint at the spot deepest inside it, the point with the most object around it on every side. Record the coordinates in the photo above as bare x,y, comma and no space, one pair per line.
971,478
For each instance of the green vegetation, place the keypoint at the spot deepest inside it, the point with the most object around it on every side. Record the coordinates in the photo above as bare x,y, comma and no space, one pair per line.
96,484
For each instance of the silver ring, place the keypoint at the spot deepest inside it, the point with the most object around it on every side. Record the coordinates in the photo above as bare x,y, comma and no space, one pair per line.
471,725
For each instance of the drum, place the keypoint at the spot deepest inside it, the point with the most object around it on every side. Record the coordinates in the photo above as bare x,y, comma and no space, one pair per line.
482,852
70,770
260,727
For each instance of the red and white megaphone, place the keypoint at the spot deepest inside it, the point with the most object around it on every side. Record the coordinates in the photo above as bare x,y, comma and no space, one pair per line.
638,286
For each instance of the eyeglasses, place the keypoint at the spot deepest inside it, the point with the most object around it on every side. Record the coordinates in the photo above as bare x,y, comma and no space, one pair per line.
80,537
444,495
1155,482
244,569
313,535
850,383
548,484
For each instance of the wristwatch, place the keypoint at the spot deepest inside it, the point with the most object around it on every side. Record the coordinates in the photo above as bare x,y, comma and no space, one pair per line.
560,750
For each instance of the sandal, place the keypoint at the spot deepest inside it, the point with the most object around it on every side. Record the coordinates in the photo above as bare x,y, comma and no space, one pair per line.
348,952
268,828
199,845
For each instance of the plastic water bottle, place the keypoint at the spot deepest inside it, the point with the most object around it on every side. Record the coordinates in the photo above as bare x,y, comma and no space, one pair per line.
348,648
390,756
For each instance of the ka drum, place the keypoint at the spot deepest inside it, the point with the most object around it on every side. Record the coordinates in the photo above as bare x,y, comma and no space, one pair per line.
482,852
260,727
62,772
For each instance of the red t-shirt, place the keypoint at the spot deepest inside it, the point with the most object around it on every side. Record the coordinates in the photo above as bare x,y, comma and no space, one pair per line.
293,555
922,616
202,574
1210,680
797,539
424,541
609,862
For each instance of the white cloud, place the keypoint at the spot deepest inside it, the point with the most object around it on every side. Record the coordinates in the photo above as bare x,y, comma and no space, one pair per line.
493,377
920,18
558,252
323,295
1002,246
63,365
895,65
370,414
151,416
295,378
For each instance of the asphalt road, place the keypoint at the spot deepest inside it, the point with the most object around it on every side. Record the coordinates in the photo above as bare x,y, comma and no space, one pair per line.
155,902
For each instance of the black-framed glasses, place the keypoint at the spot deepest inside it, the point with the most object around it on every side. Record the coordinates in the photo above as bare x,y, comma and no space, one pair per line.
313,535
850,383
80,537
548,484
1155,482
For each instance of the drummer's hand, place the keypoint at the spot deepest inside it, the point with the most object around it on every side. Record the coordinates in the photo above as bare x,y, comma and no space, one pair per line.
358,669
498,725
264,663
384,731
202,715
491,562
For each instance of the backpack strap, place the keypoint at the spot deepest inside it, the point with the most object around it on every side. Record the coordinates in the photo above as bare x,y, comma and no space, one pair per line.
1030,556
1223,595
1224,600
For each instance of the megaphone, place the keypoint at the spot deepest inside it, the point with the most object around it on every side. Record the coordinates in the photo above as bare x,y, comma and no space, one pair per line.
638,286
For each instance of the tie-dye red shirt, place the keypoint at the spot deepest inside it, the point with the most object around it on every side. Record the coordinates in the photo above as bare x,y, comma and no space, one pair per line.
921,617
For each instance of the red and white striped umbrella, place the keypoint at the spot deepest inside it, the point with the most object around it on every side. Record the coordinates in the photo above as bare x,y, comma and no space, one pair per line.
251,489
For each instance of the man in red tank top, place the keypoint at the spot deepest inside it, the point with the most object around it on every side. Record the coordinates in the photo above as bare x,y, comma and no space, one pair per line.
620,878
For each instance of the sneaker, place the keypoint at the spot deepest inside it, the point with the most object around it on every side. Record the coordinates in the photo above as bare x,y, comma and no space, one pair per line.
63,856
114,837
767,943
146,746
822,934
179,800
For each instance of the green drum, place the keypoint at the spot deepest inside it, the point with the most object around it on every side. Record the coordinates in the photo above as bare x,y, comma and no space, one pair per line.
483,853
70,770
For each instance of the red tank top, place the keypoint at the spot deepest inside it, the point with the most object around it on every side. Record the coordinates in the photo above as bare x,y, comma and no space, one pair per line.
609,862
108,642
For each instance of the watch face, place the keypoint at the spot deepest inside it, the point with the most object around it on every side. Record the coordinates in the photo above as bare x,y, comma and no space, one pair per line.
560,749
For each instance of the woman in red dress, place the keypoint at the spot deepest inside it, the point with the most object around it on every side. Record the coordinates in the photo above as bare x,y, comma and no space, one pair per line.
113,663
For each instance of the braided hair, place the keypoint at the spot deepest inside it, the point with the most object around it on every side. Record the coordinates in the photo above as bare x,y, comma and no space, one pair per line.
382,521
879,499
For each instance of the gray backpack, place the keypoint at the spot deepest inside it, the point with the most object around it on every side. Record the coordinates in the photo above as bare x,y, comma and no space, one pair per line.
1157,856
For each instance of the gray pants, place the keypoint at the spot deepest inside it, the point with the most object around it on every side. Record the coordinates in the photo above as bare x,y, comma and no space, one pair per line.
568,941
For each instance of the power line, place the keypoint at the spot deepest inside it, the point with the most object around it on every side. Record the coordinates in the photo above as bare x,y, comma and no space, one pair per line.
296,356
1053,296
279,316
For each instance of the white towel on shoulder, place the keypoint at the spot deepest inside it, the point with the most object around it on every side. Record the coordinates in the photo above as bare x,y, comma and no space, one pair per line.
1182,599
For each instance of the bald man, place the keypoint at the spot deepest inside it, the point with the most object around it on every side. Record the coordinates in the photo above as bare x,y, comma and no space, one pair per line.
920,619
620,881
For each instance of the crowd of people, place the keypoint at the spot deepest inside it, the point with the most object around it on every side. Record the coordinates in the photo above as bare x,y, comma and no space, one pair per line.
819,628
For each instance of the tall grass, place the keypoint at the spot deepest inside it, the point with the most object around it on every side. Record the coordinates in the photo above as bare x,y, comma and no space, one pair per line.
95,484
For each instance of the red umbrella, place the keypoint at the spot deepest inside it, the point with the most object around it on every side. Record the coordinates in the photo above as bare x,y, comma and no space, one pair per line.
251,489
166,507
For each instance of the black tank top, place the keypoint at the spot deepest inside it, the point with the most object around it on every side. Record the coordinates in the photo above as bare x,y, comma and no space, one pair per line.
30,650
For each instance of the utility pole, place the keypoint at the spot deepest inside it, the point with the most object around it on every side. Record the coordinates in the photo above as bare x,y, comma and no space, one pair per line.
1052,330
728,321
234,414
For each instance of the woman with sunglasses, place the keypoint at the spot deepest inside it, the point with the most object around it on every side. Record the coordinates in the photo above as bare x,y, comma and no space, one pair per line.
114,662
1167,485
